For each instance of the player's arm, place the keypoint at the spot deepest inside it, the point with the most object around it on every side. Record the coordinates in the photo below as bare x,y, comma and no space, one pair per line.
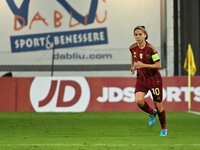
156,65
132,65
132,58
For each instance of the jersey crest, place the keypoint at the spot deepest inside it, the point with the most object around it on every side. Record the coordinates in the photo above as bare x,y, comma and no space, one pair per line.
141,55
148,56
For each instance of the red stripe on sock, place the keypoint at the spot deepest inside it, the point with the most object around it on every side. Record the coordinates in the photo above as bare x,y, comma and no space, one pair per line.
164,127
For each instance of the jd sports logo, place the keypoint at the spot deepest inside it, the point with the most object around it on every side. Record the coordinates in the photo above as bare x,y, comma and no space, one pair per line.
68,94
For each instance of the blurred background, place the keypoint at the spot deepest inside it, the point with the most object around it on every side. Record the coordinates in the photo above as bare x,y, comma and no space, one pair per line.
71,56
92,37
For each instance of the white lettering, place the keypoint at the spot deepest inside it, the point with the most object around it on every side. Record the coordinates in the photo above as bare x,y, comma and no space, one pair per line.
102,36
84,38
68,39
148,95
164,94
80,38
62,40
42,41
115,94
197,94
56,40
185,90
75,38
104,97
89,37
36,42
16,44
22,43
173,93
29,43
129,94
96,36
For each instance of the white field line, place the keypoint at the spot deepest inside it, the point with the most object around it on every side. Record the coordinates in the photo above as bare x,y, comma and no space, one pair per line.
194,112
97,145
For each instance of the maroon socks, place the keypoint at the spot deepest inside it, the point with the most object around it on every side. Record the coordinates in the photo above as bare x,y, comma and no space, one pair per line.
147,109
162,119
150,111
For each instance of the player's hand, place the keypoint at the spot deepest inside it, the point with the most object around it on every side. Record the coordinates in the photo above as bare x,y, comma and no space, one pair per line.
138,64
132,70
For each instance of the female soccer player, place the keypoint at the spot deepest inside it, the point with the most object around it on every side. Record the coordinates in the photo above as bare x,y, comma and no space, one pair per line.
145,59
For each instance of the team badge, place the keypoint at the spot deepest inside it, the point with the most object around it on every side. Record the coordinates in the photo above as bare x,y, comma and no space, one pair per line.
141,55
148,56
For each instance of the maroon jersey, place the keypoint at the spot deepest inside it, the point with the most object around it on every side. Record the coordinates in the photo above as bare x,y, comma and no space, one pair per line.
147,75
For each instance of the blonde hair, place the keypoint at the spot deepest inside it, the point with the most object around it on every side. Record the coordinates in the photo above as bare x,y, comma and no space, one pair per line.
143,29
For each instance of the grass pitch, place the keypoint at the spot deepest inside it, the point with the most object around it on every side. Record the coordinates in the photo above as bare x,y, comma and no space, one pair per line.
97,131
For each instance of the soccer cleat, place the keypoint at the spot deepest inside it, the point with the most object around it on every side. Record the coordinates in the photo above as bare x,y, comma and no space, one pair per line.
152,118
163,132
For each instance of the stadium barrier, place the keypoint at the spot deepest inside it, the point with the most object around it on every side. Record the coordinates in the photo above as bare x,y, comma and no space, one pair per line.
80,94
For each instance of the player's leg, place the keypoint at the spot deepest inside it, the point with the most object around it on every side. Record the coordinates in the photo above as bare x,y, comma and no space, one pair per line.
140,92
139,99
157,97
161,114
162,118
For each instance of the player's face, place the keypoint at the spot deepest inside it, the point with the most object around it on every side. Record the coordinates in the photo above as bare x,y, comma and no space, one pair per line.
139,36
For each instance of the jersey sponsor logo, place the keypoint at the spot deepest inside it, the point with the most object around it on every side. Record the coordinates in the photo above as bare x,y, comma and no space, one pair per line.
60,94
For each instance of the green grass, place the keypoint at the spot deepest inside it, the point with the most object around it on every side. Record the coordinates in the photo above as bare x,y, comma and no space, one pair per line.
97,131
